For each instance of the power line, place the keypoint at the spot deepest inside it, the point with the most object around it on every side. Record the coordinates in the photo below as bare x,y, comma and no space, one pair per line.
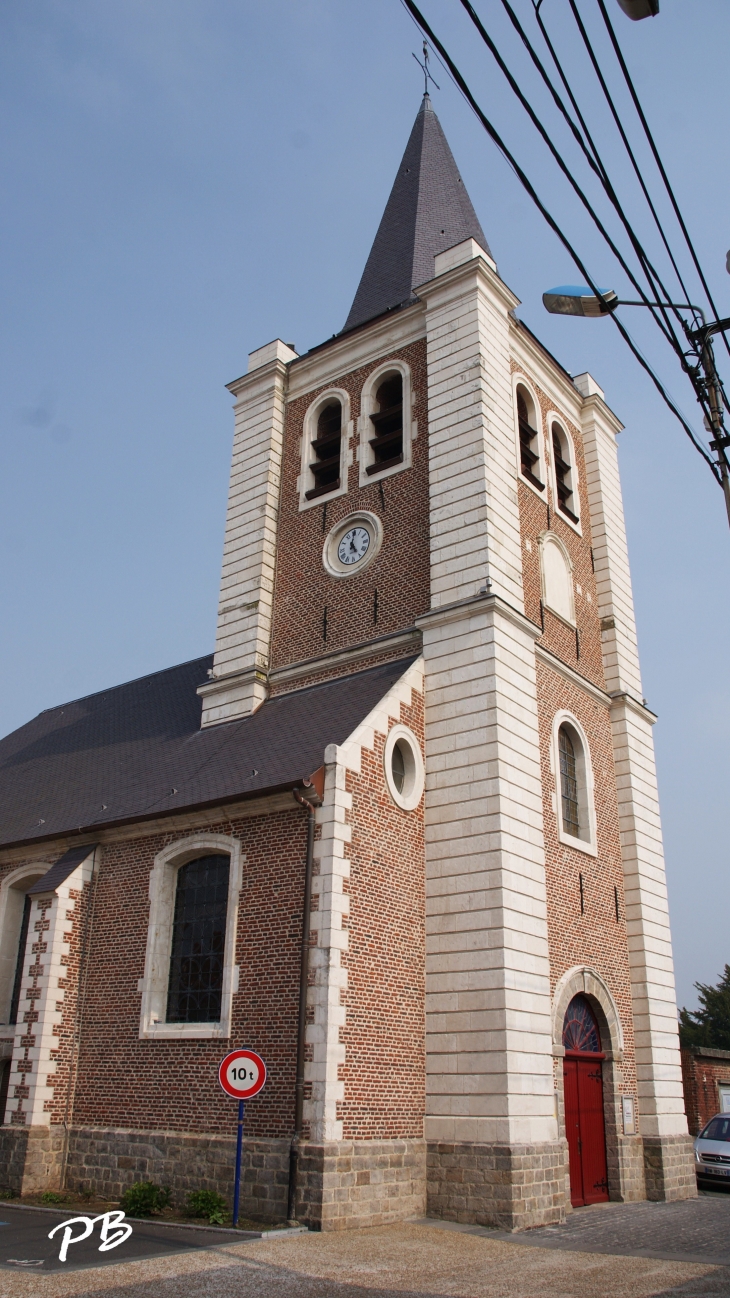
527,185
656,286
659,163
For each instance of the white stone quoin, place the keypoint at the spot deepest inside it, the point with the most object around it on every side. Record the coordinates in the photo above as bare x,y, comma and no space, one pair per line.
661,1100
243,636
488,1029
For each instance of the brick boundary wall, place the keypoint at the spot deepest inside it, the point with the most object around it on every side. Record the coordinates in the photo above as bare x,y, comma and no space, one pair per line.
702,1069
512,1187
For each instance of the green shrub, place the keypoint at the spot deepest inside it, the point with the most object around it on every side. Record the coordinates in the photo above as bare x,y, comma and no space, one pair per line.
143,1199
50,1196
206,1203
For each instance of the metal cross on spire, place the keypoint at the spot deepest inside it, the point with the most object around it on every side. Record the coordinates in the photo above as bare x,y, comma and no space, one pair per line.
424,68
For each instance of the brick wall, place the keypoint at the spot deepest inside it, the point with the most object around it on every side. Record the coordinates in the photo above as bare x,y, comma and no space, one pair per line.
384,1069
585,653
702,1069
400,573
172,1085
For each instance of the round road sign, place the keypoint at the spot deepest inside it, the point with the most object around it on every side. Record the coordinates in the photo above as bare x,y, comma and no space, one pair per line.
242,1074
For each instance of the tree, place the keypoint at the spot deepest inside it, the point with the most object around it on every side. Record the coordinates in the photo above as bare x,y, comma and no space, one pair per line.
710,1024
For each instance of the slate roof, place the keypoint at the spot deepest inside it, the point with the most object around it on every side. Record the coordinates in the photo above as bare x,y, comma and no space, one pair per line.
428,211
137,751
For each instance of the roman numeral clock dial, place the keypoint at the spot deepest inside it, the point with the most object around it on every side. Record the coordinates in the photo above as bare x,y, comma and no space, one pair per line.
354,545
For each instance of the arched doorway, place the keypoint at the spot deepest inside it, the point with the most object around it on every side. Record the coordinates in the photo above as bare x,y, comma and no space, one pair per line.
584,1122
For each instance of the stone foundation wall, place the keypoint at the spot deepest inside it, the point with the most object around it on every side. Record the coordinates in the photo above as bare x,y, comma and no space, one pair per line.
629,1158
31,1158
107,1160
353,1183
669,1167
509,1186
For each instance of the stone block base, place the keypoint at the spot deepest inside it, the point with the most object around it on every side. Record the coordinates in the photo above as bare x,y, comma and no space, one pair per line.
669,1168
509,1186
626,1170
353,1183
31,1158
107,1160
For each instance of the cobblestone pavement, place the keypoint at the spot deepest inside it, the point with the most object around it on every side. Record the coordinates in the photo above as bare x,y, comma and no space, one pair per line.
697,1230
406,1261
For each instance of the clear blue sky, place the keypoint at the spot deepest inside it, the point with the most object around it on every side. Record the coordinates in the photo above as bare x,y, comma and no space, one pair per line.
184,180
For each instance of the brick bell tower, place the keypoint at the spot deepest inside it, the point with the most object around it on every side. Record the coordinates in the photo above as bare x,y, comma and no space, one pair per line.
430,482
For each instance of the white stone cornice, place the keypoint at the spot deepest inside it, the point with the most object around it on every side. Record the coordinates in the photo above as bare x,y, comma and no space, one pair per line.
354,350
260,377
551,660
452,282
640,708
478,604
402,640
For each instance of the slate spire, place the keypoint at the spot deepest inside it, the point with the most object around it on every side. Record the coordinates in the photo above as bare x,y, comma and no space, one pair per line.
428,211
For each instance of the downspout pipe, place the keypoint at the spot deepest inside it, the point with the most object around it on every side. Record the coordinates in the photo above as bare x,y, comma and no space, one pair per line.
302,1022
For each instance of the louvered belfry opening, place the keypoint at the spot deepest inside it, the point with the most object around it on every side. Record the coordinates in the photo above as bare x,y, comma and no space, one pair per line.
387,420
528,444
326,446
562,477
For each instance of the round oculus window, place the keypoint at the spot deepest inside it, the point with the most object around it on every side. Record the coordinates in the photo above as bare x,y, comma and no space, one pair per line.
352,544
404,770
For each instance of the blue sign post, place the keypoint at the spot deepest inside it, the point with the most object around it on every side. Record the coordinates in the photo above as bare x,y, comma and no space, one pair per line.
242,1074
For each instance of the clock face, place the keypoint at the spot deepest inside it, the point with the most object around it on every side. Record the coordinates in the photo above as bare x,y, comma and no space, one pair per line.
354,545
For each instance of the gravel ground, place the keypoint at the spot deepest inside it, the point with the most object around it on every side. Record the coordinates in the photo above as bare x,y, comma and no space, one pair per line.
406,1260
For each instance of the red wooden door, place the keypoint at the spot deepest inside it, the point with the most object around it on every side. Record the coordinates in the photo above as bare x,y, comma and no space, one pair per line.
585,1130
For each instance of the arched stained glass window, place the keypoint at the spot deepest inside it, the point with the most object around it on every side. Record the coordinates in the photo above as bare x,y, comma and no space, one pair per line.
568,783
198,941
580,1030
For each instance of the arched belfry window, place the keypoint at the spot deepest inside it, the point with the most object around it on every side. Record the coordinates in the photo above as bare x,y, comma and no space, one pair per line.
564,473
387,420
568,783
530,466
574,785
580,1029
326,446
195,984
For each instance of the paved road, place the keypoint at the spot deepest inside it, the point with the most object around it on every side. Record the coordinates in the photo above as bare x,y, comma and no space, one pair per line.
25,1243
415,1261
697,1230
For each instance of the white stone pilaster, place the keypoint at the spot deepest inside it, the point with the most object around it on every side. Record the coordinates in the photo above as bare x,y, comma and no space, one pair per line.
238,684
661,1103
475,526
488,1028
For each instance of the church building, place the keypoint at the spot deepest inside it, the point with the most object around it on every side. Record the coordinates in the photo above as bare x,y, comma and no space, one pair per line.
399,834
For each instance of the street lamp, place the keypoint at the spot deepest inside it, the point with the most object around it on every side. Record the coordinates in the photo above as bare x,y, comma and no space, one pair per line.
640,8
580,300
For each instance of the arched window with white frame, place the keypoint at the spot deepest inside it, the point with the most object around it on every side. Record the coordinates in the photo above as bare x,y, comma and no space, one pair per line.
528,423
564,472
190,972
574,800
387,429
325,441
